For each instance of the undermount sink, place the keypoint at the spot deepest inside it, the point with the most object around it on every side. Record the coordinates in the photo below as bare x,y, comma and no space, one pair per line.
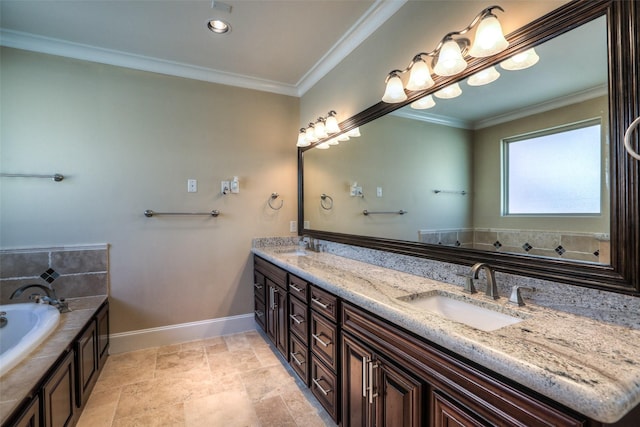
450,306
295,252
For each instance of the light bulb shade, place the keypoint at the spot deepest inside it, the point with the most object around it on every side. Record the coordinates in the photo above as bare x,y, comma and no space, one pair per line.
323,146
333,141
331,125
484,77
310,135
354,133
450,60
423,103
449,92
489,38
394,92
521,61
420,77
319,130
302,139
342,138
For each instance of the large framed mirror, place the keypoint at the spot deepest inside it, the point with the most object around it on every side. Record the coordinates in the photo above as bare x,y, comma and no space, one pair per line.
447,182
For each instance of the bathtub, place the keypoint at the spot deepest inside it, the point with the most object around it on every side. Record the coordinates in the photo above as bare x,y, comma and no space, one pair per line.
28,325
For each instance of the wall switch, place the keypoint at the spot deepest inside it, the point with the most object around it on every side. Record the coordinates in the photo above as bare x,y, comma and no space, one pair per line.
293,226
225,187
235,185
379,191
356,190
306,225
192,185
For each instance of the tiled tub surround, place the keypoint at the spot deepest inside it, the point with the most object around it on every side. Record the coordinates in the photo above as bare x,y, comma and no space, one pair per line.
19,382
587,365
74,271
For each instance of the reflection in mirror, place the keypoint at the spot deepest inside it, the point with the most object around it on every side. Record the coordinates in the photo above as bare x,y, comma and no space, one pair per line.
445,165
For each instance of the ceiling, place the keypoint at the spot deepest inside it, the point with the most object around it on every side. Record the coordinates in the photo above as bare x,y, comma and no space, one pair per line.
274,45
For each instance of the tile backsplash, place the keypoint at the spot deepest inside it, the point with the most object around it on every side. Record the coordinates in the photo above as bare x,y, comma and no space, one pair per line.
72,271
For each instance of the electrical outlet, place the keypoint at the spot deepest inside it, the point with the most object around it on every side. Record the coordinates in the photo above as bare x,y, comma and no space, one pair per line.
293,226
306,225
192,185
225,188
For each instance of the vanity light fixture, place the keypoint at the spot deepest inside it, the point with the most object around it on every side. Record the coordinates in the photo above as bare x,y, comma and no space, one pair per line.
319,129
448,56
343,137
423,103
323,146
302,139
484,77
310,134
333,141
521,61
449,92
331,123
354,133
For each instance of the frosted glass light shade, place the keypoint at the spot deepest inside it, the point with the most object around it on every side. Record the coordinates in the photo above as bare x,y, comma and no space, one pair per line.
354,133
323,146
484,77
302,139
310,135
319,130
342,138
521,61
394,92
489,38
423,103
331,125
449,92
420,77
450,60
333,141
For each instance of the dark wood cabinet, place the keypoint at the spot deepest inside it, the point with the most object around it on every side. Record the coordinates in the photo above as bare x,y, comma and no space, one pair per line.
102,323
86,353
259,307
448,414
271,307
59,395
30,417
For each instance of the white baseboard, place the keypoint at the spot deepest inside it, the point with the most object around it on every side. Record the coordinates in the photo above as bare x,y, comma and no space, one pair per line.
183,332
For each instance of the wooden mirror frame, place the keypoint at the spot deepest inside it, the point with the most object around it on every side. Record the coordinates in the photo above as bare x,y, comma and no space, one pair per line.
623,274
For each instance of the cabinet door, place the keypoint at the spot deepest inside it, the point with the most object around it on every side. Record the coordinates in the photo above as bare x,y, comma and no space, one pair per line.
272,318
399,397
31,416
58,394
448,414
356,411
102,319
86,362
282,327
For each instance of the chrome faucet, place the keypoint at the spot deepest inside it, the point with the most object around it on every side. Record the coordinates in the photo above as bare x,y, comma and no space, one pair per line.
492,288
50,297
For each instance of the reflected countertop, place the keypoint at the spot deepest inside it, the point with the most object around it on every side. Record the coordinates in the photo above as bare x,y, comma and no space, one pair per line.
589,366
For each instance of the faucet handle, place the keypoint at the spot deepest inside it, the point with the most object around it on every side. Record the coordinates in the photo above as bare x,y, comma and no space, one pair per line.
516,295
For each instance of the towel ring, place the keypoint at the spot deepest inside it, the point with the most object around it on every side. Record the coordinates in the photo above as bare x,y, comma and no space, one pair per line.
326,206
272,198
627,139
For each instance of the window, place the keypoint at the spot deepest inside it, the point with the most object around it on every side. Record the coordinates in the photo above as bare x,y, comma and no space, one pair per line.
554,172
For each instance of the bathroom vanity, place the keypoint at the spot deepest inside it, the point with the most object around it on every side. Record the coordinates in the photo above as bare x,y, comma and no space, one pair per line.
52,385
373,357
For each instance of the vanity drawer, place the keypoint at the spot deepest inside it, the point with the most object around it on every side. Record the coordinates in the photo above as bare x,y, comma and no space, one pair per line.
299,358
259,287
299,288
273,272
299,319
324,340
324,386
258,311
325,303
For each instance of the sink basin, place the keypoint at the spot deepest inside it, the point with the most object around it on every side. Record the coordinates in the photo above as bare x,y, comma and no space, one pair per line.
454,308
294,252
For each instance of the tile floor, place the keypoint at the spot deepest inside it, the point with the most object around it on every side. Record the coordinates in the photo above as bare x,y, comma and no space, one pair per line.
235,380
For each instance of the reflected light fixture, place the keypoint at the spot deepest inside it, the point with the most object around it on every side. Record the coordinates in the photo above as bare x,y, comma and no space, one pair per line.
448,57
354,133
302,139
423,103
333,141
343,137
448,92
323,146
520,61
331,123
484,77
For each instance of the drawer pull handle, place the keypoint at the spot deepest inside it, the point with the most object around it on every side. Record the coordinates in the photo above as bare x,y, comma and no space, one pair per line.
295,359
317,383
294,317
259,313
295,288
321,304
317,338
257,286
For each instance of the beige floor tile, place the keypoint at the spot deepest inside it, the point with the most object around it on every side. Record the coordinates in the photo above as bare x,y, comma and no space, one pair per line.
237,342
302,411
227,409
272,412
180,362
215,345
266,356
233,361
268,382
227,381
97,416
171,416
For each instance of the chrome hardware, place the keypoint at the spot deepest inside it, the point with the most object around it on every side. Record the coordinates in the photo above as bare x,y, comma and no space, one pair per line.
469,287
295,288
317,338
400,212
364,376
368,365
259,313
516,296
294,317
492,288
56,177
295,359
320,303
272,198
372,395
627,139
149,213
50,297
323,202
257,286
3,319
322,390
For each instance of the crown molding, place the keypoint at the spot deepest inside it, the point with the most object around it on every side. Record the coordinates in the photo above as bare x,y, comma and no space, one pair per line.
375,16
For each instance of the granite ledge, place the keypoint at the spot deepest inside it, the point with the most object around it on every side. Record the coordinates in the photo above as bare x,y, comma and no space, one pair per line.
589,366
18,384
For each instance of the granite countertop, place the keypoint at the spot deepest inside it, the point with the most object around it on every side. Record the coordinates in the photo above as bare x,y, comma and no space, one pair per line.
589,366
19,382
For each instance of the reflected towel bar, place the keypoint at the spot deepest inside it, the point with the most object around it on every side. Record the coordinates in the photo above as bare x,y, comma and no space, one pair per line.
450,192
400,212
323,202
149,213
56,177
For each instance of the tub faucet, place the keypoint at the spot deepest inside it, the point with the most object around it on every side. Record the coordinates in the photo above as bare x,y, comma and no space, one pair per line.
50,297
492,288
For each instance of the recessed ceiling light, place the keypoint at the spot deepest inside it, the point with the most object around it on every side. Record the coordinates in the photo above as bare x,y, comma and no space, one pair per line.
218,26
